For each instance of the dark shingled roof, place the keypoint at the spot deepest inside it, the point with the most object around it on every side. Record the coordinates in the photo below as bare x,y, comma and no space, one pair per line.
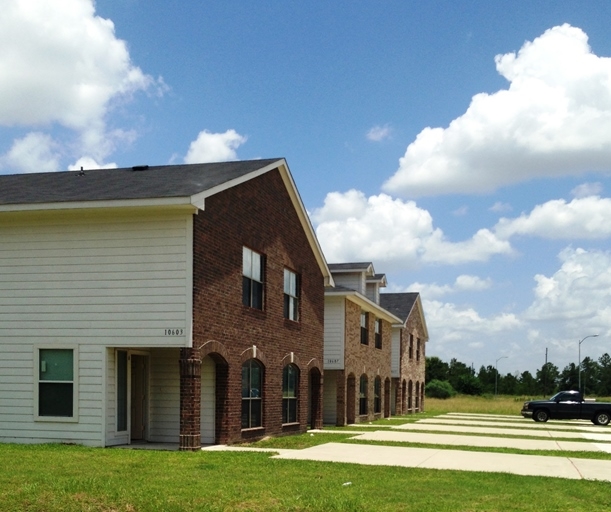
122,184
399,304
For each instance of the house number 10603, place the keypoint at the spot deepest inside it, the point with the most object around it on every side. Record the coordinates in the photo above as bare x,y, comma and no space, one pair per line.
174,332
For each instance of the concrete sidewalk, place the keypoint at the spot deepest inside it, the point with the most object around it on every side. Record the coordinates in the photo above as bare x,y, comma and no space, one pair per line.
600,435
462,460
428,458
483,441
550,425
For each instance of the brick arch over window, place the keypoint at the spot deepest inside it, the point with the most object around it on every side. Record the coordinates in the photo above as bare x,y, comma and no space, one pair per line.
291,358
253,352
214,349
314,363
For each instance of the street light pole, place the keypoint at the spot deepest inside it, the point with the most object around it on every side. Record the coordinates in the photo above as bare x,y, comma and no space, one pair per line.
496,375
579,366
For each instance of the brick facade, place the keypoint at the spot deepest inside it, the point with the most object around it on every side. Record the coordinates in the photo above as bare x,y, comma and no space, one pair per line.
257,214
410,387
366,360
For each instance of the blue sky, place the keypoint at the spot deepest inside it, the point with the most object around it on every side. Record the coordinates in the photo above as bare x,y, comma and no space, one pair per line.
463,147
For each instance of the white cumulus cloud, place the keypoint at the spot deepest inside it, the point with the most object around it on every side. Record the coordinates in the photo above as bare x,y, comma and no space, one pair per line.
553,120
353,227
378,133
60,63
587,189
214,147
578,293
585,218
463,283
36,152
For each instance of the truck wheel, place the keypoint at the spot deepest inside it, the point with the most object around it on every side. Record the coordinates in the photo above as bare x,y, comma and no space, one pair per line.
602,418
541,415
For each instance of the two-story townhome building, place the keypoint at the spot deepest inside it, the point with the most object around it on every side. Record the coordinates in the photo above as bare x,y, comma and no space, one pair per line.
358,336
180,304
409,340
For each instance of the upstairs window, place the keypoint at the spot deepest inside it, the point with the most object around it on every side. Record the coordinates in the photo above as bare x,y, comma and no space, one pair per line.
418,349
252,278
291,295
364,330
378,333
411,346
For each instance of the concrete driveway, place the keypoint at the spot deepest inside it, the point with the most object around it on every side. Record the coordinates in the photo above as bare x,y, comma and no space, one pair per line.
559,436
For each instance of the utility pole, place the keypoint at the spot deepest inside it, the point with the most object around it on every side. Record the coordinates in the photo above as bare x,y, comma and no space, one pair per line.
545,373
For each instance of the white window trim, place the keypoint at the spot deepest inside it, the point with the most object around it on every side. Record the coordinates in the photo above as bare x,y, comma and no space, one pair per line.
75,383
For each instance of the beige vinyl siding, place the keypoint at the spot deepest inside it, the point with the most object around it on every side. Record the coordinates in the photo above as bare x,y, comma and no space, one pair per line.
395,361
112,436
164,396
329,403
92,280
335,311
354,281
373,292
112,279
18,406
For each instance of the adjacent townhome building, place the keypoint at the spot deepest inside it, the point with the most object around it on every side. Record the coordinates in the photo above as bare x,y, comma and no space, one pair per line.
180,304
409,340
358,346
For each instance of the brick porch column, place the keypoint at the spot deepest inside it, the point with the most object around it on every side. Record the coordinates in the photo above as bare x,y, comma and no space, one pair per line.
190,399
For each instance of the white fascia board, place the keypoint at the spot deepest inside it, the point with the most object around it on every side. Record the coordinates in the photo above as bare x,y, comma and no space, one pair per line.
353,270
81,205
199,199
366,304
382,281
285,173
418,303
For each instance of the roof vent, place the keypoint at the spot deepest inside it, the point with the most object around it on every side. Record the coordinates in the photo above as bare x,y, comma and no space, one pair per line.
140,167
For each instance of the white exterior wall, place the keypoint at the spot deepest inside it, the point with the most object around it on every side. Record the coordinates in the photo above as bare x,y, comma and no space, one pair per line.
395,361
329,402
87,279
164,396
112,436
335,326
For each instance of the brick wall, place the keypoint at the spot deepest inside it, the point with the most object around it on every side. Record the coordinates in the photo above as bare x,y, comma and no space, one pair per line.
257,214
366,359
413,369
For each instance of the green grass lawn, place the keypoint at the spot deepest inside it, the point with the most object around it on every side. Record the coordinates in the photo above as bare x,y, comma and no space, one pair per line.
72,478
487,404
